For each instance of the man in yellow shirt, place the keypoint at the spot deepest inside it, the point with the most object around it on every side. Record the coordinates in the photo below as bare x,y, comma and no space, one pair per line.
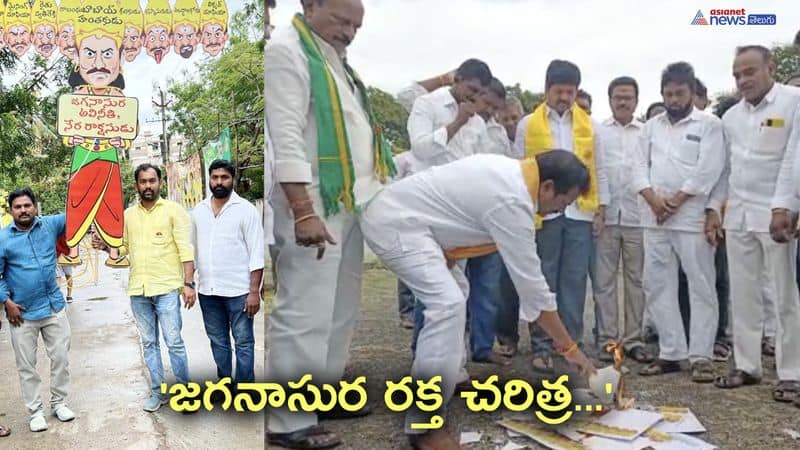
157,240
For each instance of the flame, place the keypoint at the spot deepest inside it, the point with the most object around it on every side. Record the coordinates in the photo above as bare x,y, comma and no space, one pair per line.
619,356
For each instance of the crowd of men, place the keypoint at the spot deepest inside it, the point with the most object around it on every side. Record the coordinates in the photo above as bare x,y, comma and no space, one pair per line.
492,217
480,241
221,243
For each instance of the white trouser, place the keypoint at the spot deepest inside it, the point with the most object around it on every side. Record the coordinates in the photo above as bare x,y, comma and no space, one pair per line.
314,311
748,252
770,305
615,242
56,333
411,252
664,249
459,274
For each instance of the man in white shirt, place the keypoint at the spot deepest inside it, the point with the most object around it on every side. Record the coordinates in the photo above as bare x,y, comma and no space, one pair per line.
229,255
411,224
324,180
680,159
622,235
762,134
565,242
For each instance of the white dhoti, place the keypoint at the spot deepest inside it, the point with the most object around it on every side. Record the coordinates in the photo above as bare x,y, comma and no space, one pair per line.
314,311
748,253
416,258
664,249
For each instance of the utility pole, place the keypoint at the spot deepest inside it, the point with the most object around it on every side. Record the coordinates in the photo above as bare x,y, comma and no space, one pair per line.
163,105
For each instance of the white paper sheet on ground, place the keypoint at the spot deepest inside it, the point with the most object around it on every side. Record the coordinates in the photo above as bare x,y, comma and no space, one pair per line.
569,431
547,438
626,425
512,446
470,437
688,422
678,442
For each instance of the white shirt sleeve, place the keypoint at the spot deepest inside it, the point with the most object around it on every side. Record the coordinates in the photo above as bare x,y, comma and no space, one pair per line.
784,196
254,238
495,140
287,99
710,163
719,194
512,228
600,142
641,162
519,138
409,94
427,141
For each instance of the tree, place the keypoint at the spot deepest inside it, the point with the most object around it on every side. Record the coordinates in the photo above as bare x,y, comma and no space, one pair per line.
787,61
530,100
391,116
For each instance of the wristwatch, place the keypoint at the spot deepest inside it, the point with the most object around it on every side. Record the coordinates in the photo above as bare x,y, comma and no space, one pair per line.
189,285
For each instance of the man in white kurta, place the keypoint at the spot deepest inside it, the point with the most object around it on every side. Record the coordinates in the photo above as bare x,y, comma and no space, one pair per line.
319,286
680,160
412,222
761,133
622,237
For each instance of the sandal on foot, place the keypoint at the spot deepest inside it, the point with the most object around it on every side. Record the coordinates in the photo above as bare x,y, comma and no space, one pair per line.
313,437
722,351
507,350
494,358
786,391
703,371
660,367
4,431
640,355
543,364
736,379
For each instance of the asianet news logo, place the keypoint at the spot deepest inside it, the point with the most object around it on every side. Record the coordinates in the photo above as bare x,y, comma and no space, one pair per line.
733,17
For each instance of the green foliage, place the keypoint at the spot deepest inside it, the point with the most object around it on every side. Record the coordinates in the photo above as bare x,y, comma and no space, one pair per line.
787,60
530,100
391,116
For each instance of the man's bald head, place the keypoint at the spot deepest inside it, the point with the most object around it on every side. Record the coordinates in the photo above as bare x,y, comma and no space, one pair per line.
335,21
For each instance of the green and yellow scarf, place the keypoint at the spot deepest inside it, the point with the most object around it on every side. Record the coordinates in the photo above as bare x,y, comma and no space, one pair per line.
336,173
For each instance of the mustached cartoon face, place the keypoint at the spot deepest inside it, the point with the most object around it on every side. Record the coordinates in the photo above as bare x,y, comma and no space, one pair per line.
99,60
66,42
44,40
213,39
131,43
18,39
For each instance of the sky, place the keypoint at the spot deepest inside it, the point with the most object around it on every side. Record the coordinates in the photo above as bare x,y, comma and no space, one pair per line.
404,40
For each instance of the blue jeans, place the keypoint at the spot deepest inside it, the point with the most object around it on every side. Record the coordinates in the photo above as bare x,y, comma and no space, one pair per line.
507,321
565,247
164,311
484,275
405,300
222,317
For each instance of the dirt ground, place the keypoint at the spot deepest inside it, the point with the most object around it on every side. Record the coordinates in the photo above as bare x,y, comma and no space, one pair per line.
745,418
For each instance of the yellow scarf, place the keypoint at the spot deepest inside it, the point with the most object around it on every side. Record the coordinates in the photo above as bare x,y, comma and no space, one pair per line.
539,139
530,174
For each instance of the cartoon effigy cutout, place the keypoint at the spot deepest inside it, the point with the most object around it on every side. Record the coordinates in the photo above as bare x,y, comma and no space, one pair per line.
94,192
185,27
44,27
18,26
131,14
66,17
213,26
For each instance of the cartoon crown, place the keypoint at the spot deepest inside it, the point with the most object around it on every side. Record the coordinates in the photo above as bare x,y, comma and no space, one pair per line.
43,13
158,14
18,12
186,12
99,18
131,13
68,12
214,12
